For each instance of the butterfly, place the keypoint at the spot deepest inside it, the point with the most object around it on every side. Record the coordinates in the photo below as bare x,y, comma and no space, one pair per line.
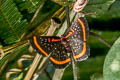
73,41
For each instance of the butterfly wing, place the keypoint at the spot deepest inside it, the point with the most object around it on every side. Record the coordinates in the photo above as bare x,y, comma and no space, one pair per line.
42,44
59,56
77,40
79,49
45,45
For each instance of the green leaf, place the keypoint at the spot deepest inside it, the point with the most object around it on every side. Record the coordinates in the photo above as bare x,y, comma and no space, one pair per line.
99,6
114,10
12,26
30,5
112,62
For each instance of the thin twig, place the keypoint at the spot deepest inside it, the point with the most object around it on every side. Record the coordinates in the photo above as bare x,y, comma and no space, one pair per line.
72,58
33,4
33,67
58,74
75,72
52,28
23,58
37,12
88,13
12,72
3,66
9,49
100,39
43,65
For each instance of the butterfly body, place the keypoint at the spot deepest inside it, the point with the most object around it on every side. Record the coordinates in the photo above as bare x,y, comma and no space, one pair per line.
73,41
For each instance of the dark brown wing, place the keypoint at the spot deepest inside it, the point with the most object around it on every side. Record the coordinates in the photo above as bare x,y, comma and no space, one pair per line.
59,56
45,45
77,40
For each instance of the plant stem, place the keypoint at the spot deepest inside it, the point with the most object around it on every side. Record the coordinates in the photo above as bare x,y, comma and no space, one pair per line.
100,39
33,67
58,74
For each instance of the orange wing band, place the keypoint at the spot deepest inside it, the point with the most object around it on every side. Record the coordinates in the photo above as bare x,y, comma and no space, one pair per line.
84,38
83,28
69,34
52,59
67,60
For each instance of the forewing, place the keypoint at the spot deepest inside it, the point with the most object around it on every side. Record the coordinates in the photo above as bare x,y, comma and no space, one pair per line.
79,29
45,45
